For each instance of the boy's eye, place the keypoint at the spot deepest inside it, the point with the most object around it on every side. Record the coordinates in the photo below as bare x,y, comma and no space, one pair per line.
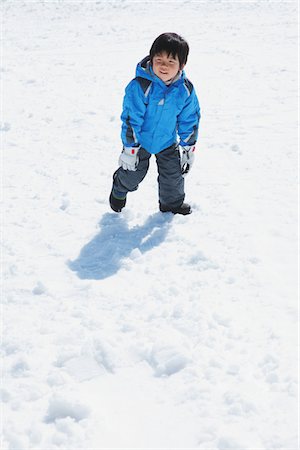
159,61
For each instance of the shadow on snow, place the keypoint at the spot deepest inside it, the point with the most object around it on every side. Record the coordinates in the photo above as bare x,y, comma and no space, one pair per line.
103,255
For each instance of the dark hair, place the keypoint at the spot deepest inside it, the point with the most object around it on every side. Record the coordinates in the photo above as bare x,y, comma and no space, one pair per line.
172,44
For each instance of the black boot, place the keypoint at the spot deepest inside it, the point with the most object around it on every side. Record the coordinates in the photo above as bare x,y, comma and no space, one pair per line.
183,209
116,204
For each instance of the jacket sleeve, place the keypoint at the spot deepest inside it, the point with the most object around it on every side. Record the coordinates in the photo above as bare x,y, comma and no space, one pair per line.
132,116
188,120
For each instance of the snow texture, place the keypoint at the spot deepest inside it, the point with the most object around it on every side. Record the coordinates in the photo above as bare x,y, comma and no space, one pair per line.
147,330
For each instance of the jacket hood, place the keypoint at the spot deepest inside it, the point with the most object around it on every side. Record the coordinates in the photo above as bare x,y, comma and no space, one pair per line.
144,70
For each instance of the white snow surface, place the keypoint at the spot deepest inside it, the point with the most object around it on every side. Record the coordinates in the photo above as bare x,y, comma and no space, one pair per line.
146,330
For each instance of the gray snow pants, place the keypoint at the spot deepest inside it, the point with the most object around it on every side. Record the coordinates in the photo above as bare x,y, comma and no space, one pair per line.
170,179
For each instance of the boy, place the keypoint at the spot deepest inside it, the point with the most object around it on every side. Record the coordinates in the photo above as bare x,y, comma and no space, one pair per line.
159,105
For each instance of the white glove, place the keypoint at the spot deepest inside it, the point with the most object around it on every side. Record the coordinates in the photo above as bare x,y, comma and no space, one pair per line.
129,158
187,158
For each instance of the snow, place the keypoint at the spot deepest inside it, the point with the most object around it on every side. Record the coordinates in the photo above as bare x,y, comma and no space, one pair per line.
147,330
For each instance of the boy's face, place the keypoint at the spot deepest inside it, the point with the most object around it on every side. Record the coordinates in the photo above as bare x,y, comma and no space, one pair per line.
165,66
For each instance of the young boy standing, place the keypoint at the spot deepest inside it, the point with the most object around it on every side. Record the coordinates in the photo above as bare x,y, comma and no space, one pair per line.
160,107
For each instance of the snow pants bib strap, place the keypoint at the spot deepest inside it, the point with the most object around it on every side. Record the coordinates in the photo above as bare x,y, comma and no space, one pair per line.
170,179
127,180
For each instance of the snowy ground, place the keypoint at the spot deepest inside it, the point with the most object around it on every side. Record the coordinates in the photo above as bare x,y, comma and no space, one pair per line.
145,330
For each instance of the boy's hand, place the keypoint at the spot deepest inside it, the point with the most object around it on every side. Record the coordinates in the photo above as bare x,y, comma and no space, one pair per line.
129,158
187,158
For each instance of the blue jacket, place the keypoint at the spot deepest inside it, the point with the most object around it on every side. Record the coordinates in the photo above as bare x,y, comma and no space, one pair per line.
155,114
